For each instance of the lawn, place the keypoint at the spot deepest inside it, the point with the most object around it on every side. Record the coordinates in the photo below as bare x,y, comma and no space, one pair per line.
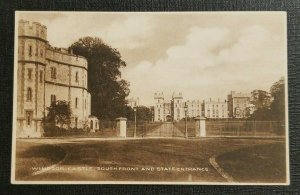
263,163
32,155
160,159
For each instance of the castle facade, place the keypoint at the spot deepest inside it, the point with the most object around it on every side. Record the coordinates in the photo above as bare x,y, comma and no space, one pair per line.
47,74
176,109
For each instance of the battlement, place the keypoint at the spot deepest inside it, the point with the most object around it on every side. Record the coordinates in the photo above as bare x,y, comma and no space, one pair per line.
65,56
32,29
218,101
158,95
240,95
177,95
193,102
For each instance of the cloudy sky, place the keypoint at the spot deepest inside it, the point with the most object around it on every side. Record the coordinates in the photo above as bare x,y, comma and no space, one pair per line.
202,55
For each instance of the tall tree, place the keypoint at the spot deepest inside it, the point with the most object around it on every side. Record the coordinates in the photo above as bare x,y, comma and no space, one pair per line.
108,90
260,99
278,104
60,113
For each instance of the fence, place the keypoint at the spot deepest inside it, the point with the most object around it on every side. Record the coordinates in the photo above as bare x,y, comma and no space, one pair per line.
191,127
142,128
216,128
245,128
235,128
108,128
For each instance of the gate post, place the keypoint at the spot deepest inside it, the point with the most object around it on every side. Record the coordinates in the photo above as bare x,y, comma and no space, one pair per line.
121,127
200,126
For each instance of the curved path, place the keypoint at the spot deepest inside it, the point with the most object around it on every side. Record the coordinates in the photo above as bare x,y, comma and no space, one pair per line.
91,159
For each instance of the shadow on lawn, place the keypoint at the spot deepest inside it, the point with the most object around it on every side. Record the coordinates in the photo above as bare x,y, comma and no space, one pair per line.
31,157
262,163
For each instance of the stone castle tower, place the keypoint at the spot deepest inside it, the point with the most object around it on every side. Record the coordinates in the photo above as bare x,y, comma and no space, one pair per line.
32,41
47,74
172,110
177,106
159,106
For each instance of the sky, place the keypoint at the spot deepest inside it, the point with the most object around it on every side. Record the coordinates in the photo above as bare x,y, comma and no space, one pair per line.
201,54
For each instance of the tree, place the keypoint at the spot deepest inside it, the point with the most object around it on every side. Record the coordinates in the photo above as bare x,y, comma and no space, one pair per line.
260,99
143,113
265,109
60,113
262,114
108,90
278,104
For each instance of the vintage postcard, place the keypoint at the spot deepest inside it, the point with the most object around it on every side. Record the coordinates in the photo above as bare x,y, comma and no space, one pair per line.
150,98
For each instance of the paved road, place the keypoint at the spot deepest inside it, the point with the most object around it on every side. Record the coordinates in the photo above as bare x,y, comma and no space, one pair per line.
165,130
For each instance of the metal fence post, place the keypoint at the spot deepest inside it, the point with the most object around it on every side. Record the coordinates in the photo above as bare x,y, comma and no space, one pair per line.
254,124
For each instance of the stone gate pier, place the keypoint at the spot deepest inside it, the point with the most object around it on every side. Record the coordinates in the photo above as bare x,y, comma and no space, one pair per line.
121,127
200,126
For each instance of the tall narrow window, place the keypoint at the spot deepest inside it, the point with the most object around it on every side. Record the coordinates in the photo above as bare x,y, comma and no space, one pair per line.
29,94
53,99
29,73
41,53
36,50
76,122
41,76
76,102
53,72
91,125
76,76
30,50
28,117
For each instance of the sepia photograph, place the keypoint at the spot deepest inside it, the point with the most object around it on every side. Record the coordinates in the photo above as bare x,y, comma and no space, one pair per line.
195,98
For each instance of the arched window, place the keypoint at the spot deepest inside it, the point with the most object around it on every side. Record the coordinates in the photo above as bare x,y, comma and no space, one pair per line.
29,94
91,126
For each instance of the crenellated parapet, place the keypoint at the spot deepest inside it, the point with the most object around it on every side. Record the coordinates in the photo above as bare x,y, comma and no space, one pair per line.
177,95
158,95
33,30
65,56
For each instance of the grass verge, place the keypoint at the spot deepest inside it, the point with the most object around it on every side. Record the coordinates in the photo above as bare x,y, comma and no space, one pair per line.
262,163
31,156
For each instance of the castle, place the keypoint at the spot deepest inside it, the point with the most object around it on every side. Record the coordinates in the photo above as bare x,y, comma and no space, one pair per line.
46,74
176,109
173,110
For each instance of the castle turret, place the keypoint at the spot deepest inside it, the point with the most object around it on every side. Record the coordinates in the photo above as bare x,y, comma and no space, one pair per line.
159,106
177,106
32,41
